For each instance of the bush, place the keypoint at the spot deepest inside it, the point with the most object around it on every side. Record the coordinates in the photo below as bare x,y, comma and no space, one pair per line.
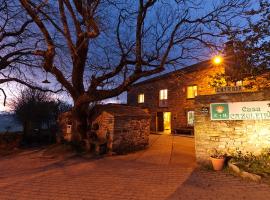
259,164
9,141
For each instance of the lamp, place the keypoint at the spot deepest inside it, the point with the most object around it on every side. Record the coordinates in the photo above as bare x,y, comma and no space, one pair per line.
46,80
217,59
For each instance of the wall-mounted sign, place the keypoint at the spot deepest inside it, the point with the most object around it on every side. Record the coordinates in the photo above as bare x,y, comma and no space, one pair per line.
253,110
229,89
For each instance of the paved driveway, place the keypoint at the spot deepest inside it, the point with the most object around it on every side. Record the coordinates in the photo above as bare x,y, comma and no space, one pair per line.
165,171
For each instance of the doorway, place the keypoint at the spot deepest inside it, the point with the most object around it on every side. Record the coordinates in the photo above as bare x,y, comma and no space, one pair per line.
164,122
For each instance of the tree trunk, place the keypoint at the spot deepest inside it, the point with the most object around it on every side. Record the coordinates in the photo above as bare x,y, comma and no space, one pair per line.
27,128
79,124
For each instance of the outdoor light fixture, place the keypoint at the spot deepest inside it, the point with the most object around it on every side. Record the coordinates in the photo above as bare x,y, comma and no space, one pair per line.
217,60
46,80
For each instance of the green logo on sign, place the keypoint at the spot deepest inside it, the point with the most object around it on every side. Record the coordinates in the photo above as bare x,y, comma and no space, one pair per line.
220,111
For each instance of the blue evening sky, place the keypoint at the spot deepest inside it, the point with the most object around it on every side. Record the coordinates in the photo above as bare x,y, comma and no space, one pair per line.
13,88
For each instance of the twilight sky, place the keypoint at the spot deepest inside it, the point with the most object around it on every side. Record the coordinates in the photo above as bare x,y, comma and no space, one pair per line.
12,89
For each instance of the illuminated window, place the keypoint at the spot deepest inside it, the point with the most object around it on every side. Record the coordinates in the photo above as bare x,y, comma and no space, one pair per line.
141,98
192,91
190,118
239,83
163,94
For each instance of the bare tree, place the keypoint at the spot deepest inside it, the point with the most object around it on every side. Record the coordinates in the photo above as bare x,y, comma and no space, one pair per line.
13,28
18,40
250,47
96,49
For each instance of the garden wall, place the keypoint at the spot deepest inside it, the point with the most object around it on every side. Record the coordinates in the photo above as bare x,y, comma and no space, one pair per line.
229,136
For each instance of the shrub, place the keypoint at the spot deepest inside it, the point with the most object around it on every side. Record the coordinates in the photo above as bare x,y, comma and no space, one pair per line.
258,164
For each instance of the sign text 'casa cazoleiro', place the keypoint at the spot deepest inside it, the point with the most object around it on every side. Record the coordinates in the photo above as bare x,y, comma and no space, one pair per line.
253,110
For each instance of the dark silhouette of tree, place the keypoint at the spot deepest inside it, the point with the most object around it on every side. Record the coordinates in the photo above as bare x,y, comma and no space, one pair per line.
34,109
38,112
249,49
97,49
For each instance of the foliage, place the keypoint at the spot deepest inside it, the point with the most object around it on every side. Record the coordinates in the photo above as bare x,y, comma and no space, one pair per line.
250,83
214,153
218,80
37,109
33,106
258,164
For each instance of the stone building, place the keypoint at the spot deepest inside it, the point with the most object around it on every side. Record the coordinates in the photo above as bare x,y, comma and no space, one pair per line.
122,128
112,128
170,97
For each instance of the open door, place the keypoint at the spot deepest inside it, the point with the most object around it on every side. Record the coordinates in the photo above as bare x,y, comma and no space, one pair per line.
167,121
164,122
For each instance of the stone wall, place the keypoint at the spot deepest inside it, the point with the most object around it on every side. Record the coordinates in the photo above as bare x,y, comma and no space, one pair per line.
105,122
229,136
121,127
130,134
176,83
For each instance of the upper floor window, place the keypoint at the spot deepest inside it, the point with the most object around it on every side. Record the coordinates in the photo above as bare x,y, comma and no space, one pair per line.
192,91
141,98
163,94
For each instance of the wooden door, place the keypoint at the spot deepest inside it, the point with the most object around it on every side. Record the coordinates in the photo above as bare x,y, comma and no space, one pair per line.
160,122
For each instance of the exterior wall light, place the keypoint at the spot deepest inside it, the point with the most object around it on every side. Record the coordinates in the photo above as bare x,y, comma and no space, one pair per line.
218,60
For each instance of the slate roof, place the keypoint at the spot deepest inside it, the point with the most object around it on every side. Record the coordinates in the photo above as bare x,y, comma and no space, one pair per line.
184,70
120,110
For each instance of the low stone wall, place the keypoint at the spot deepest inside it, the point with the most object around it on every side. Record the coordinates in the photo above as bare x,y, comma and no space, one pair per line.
229,136
130,134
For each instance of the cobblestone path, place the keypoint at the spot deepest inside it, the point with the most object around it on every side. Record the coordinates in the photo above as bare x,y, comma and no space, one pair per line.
166,170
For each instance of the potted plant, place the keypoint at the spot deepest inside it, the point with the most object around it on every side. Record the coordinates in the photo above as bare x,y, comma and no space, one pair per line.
217,159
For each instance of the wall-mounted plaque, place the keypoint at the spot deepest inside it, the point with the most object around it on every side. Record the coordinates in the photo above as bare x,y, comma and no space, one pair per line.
229,89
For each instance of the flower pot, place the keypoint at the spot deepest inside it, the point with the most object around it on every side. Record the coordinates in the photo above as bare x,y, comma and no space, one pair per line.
218,163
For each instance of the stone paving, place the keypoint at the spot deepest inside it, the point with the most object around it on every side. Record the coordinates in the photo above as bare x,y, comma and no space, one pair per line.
166,170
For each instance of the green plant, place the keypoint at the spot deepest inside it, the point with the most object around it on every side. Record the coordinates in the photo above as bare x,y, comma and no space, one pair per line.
214,153
258,164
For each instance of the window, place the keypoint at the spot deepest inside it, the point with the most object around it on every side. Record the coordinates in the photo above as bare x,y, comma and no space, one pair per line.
190,118
239,83
192,91
163,94
141,98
